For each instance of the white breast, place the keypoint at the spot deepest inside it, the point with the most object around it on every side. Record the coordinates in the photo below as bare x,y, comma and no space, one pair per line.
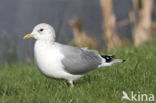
48,59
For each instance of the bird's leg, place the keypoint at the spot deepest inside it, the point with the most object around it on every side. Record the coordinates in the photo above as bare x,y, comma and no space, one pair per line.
71,83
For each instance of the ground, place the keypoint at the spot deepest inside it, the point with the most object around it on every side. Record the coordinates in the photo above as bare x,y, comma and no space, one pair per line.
22,83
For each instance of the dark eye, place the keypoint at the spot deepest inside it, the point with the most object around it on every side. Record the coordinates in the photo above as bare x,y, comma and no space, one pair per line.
41,30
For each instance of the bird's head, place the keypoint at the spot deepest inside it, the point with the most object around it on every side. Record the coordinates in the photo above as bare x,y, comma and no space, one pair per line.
42,31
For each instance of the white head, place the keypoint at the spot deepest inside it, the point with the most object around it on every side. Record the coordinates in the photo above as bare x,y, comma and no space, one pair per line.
42,31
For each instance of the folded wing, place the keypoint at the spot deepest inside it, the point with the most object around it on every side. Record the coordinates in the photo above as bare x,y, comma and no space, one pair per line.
79,60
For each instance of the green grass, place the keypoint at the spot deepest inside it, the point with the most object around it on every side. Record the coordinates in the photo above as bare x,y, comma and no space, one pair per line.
21,83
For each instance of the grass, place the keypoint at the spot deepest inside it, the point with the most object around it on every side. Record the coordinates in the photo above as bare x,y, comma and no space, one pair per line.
21,83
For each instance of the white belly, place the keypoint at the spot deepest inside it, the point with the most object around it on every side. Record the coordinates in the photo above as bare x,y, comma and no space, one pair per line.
48,60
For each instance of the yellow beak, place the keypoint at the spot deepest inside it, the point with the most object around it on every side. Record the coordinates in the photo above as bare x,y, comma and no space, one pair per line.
27,36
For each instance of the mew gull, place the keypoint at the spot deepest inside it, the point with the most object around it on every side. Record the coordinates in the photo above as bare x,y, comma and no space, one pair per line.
63,61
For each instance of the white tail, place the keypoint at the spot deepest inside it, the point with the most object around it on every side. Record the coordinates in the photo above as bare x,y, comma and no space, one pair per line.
105,64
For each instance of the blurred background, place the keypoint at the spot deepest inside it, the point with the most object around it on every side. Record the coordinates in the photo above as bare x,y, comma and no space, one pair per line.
97,24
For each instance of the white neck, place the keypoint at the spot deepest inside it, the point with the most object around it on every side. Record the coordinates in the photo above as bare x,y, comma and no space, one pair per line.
46,42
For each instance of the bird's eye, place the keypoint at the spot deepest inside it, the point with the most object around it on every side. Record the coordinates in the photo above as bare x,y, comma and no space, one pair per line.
41,30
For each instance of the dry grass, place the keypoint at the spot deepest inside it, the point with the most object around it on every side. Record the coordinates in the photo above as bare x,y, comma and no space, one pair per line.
81,39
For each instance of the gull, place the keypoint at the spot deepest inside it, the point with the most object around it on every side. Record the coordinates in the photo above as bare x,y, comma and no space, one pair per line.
61,61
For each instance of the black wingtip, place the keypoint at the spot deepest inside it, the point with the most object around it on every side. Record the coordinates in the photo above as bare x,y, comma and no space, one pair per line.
108,58
123,61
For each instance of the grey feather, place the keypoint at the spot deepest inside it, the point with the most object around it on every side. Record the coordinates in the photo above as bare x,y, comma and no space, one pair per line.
79,60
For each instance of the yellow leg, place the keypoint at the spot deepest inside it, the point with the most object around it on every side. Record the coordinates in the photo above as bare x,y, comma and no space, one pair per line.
71,84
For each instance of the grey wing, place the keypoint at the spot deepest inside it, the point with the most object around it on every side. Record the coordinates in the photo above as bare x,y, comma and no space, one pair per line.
79,61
